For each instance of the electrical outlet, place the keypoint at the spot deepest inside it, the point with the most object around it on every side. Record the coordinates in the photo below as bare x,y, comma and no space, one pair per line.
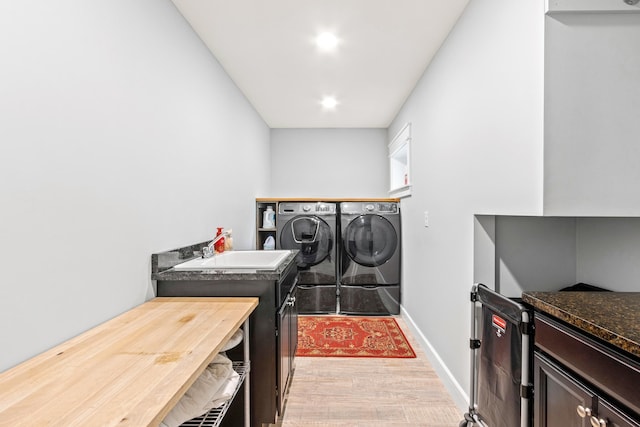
426,218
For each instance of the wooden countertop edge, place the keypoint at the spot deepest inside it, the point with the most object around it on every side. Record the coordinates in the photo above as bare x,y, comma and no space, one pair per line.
324,199
37,386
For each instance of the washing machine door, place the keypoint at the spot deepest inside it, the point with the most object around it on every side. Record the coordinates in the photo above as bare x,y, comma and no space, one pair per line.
370,240
311,235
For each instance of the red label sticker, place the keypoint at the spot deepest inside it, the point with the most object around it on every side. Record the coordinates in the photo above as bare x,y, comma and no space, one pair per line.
499,323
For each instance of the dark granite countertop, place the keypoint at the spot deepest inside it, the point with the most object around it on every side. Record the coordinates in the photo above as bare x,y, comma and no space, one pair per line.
162,267
613,317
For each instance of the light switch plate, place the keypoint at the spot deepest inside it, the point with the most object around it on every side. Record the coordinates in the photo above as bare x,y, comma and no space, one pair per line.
426,218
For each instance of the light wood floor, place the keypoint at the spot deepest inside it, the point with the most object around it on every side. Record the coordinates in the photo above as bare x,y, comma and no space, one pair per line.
359,392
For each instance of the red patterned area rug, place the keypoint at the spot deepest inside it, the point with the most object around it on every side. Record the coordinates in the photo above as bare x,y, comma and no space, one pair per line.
348,336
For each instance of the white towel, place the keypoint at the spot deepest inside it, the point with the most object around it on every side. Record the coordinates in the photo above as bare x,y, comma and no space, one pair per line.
235,339
225,392
207,390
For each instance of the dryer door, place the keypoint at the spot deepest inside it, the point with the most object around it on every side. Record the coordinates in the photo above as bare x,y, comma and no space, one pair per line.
309,234
370,240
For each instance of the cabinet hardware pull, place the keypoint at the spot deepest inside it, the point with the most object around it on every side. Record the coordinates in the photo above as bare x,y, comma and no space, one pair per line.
595,422
583,412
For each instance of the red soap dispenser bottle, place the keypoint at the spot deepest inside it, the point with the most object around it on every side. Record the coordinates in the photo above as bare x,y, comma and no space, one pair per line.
219,245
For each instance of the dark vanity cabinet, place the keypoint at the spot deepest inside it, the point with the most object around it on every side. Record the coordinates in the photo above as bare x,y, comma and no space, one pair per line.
559,397
564,401
580,382
614,417
287,345
273,325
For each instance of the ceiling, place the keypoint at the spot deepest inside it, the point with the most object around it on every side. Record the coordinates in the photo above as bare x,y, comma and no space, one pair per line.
268,49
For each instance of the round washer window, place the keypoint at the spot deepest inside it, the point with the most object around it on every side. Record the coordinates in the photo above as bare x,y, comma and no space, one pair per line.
311,235
370,240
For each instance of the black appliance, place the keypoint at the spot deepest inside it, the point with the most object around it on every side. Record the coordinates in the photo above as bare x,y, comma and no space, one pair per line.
310,227
370,260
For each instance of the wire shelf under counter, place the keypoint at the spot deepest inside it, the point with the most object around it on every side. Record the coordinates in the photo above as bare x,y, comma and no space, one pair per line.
214,417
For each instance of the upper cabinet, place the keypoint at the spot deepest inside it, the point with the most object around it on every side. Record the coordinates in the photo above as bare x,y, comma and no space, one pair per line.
592,88
400,163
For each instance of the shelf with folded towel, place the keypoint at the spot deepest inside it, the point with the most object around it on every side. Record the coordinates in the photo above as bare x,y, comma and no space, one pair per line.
214,417
207,400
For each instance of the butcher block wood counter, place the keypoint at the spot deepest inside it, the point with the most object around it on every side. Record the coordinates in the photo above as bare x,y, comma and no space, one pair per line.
128,371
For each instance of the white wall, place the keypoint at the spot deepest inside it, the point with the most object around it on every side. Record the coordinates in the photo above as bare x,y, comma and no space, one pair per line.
121,136
535,254
549,253
591,114
477,148
484,250
608,253
329,163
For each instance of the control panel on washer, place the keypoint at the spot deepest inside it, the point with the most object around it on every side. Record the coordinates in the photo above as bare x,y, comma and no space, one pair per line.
369,207
307,208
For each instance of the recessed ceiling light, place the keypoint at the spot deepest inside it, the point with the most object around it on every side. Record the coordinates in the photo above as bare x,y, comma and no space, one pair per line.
326,41
329,102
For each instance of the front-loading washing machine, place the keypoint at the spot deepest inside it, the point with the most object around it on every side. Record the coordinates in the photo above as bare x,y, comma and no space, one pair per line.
311,228
370,261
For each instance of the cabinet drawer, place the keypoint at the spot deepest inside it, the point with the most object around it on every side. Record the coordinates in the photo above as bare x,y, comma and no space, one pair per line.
611,372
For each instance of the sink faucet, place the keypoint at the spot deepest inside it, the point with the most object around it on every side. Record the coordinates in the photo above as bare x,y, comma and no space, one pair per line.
209,251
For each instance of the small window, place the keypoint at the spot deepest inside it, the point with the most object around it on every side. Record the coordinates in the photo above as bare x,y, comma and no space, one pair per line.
400,163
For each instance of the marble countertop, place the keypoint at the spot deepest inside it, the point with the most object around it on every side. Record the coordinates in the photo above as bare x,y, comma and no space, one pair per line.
613,317
162,267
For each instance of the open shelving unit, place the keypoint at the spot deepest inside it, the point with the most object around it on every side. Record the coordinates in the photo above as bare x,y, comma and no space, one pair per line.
263,233
214,417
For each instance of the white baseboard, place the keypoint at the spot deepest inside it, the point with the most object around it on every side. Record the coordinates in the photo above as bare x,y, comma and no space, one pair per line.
460,397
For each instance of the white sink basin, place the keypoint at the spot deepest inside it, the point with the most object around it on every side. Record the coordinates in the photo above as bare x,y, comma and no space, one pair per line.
237,260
